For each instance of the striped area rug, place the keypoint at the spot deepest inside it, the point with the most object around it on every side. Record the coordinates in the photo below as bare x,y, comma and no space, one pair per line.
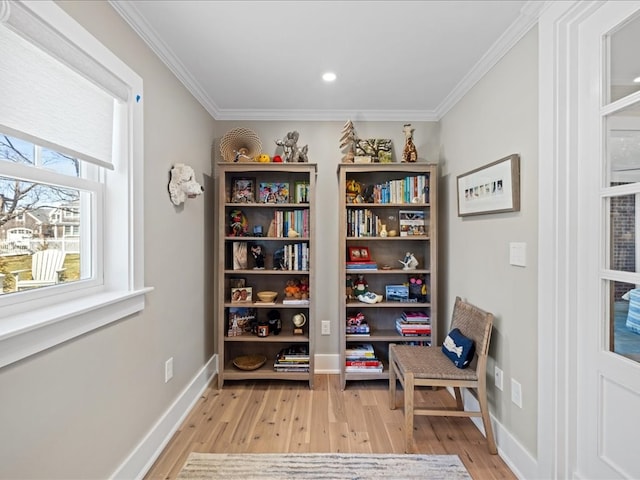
236,466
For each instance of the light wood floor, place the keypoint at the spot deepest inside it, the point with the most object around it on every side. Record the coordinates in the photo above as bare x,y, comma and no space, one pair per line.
283,416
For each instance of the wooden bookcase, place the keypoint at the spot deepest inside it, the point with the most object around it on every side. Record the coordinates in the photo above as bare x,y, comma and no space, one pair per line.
299,208
359,228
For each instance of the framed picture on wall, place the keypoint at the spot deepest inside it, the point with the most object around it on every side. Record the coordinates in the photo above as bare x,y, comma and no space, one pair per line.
493,188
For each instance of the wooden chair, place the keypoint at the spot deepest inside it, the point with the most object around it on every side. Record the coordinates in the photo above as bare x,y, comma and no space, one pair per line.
46,269
427,366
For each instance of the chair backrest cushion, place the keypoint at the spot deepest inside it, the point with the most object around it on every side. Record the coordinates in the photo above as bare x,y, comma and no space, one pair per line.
458,348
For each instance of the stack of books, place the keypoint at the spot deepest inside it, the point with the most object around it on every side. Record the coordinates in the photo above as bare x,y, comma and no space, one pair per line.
294,358
362,358
414,324
362,266
357,325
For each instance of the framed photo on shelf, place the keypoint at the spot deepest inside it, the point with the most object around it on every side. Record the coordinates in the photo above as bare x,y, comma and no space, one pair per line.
240,320
411,223
241,295
377,149
274,192
396,293
494,188
243,190
237,282
359,254
239,255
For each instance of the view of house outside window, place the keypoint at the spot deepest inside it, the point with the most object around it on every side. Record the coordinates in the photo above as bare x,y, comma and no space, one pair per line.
40,222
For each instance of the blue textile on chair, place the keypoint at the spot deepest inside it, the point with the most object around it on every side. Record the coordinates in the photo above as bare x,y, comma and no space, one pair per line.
458,348
633,317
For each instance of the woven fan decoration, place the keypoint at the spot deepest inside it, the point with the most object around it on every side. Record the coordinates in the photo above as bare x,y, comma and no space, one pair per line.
240,145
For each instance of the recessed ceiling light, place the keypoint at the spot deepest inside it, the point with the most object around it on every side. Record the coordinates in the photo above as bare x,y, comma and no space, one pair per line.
329,76
636,80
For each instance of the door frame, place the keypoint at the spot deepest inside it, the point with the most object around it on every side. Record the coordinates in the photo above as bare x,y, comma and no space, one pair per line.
558,268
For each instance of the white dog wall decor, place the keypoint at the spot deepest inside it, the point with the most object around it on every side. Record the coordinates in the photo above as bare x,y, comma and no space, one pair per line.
182,184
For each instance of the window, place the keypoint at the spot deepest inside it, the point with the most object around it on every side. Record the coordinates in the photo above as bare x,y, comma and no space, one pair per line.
50,211
70,178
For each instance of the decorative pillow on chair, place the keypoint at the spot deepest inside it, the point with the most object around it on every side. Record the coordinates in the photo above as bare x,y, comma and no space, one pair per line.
458,348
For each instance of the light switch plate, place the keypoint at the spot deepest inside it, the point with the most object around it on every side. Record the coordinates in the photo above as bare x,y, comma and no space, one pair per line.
518,254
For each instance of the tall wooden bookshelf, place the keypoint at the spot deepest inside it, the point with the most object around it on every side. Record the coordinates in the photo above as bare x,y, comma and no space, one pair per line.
286,206
388,192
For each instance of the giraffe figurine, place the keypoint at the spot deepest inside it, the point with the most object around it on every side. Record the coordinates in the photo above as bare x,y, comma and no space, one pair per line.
410,153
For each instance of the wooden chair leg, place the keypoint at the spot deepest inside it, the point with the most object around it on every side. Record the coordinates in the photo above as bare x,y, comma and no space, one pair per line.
408,411
486,421
392,382
458,394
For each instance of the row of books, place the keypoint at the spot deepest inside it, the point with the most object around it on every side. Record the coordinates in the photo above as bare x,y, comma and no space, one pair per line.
295,256
362,222
406,190
362,358
286,220
294,358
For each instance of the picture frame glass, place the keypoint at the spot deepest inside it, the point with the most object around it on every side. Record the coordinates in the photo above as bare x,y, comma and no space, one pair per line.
493,188
241,295
274,192
243,190
379,150
359,254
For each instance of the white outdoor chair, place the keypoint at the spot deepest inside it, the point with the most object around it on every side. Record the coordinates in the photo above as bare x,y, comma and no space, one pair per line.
46,269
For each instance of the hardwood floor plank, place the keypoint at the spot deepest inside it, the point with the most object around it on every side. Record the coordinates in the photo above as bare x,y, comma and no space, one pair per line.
277,416
339,437
319,427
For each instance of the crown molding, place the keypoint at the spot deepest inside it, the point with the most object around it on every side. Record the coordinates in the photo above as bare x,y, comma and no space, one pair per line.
529,15
136,21
329,115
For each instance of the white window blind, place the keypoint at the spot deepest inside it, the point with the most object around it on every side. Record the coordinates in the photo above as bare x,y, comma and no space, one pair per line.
40,86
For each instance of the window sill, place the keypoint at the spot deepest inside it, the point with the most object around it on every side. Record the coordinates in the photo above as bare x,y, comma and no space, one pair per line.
29,333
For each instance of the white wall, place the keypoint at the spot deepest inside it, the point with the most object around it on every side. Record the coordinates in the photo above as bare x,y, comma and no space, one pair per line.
496,118
78,410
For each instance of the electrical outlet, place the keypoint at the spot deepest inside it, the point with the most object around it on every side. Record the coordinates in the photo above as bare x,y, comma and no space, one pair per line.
498,378
326,327
168,370
516,393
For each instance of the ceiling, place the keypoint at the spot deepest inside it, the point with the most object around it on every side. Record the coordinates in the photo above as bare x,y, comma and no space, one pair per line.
394,60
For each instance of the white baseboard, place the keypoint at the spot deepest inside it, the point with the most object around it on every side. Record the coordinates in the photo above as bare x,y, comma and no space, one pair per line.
329,364
149,449
519,460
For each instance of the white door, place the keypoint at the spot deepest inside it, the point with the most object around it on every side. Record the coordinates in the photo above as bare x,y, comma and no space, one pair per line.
608,220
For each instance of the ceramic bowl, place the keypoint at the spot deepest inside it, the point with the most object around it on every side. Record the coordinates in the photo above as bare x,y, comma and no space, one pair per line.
267,296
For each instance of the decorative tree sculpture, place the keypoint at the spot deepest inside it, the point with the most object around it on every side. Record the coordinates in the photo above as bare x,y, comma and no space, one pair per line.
348,142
